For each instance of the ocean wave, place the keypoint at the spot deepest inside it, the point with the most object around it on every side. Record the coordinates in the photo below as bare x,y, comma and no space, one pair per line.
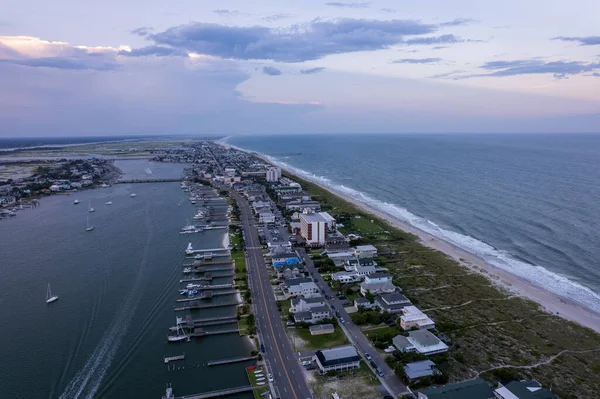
535,274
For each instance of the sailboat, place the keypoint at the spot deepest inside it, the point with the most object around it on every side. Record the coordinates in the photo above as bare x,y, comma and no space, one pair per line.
180,335
90,209
89,228
49,297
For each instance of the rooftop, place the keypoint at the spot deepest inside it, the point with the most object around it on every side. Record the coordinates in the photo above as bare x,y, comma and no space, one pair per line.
424,338
297,281
341,354
366,248
412,313
394,298
419,369
473,389
379,275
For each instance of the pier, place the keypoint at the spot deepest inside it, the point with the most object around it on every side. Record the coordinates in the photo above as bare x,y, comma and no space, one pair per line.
214,269
199,332
231,360
174,358
198,305
207,294
212,394
209,262
208,276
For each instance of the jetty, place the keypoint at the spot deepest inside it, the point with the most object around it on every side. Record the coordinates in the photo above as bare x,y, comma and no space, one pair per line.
212,394
231,360
168,359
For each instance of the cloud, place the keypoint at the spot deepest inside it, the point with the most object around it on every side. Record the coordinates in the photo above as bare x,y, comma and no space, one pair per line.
349,5
416,61
390,10
501,27
62,63
448,75
584,40
302,42
271,71
458,22
159,51
276,17
439,47
445,39
143,31
230,13
311,70
559,69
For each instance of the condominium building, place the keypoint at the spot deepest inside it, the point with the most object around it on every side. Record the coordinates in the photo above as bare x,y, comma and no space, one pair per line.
314,227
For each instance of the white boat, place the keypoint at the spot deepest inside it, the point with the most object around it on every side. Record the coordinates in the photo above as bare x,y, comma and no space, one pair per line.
90,209
133,195
89,228
104,185
76,202
148,171
180,336
187,270
108,203
260,379
260,383
49,297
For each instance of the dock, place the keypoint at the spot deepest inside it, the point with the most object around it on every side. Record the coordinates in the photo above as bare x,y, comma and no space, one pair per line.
216,394
201,251
168,359
199,332
209,262
148,181
198,305
231,360
208,276
203,269
207,294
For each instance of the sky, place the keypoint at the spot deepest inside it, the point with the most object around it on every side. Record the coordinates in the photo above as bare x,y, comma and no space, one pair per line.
83,68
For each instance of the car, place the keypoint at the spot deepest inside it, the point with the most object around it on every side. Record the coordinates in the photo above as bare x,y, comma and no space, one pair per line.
271,377
332,306
262,348
289,323
338,315
306,363
368,356
310,367
373,364
380,372
342,320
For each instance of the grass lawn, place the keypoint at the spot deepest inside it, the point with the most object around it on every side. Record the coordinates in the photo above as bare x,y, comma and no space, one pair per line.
320,341
243,325
258,389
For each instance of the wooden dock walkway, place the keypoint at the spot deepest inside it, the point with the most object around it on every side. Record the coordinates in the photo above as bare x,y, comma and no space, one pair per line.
168,359
208,276
208,262
148,181
203,269
217,394
201,251
207,294
199,305
231,360
199,332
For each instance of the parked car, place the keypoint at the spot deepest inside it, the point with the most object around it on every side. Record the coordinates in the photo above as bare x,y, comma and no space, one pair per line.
368,356
262,348
270,377
306,363
380,372
373,364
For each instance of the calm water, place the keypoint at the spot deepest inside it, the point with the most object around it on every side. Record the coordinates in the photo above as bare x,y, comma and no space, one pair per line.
529,204
106,335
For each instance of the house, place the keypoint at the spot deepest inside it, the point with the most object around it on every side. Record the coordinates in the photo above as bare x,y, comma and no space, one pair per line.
366,251
345,277
363,302
378,277
286,258
523,390
321,329
314,315
314,227
421,341
377,288
340,258
300,286
354,263
413,318
337,359
416,370
259,205
473,389
392,303
266,216
290,271
302,304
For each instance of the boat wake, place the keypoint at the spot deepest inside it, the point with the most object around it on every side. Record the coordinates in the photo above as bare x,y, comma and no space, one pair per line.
537,275
88,380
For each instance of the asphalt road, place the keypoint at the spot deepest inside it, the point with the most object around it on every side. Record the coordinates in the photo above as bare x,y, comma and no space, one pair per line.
282,363
390,381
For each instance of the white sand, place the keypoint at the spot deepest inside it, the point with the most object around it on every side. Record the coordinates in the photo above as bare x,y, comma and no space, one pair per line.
550,302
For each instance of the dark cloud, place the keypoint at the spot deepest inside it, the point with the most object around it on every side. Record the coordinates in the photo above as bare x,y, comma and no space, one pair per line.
272,71
349,5
312,70
298,43
143,31
96,63
439,47
448,75
584,40
416,61
158,51
229,13
596,74
276,17
390,10
458,22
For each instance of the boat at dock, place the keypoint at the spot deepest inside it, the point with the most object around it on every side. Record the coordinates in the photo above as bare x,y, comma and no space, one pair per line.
179,336
187,270
49,297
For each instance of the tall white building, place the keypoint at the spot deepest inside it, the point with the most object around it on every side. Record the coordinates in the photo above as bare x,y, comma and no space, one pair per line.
314,227
273,174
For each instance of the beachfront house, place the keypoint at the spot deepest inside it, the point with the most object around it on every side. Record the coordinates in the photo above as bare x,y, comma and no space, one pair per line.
421,341
366,251
378,283
416,370
392,303
413,318
472,389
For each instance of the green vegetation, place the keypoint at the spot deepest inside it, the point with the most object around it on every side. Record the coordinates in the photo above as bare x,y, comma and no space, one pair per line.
258,389
354,384
493,333
323,341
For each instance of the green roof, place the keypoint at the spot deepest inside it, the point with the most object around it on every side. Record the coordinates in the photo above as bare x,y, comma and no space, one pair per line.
473,389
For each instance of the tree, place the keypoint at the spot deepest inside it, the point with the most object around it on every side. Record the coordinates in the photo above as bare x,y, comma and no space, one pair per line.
369,296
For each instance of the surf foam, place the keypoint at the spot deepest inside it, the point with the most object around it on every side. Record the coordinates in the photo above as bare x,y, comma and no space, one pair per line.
535,274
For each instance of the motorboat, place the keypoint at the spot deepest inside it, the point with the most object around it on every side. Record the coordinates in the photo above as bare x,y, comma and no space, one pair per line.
49,297
179,336
187,270
133,195
108,203
89,227
90,208
76,202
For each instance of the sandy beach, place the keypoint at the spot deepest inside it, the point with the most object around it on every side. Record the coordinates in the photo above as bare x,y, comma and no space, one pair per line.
550,302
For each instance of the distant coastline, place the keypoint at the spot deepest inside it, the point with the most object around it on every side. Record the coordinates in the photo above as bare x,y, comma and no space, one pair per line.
552,303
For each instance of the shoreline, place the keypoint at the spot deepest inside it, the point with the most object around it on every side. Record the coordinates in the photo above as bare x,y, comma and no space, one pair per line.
505,281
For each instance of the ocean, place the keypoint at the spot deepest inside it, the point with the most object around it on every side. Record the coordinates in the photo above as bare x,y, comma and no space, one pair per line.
528,204
106,335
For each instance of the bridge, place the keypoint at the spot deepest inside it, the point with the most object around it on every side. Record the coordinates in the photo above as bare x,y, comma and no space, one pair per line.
132,181
213,394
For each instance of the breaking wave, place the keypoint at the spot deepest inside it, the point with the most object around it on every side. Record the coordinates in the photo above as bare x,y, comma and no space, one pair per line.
538,275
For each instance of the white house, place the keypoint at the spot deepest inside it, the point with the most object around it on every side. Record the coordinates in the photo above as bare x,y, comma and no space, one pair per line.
300,286
412,317
346,277
392,303
266,216
302,304
366,251
378,283
314,315
340,258
421,341
337,359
